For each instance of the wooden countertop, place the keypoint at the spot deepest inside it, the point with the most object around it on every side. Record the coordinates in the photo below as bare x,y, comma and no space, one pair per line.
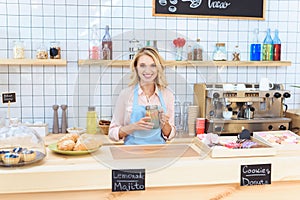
190,168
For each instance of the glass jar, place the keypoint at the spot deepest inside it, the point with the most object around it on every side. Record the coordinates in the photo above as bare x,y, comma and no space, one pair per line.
55,50
19,50
236,54
153,113
220,52
42,52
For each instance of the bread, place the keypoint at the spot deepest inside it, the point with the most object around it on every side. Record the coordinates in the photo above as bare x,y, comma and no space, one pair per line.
66,145
70,136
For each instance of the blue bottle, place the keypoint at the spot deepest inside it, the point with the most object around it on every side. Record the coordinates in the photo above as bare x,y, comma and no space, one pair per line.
255,47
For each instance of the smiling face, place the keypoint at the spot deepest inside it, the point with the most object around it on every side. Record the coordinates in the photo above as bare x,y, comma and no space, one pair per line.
146,70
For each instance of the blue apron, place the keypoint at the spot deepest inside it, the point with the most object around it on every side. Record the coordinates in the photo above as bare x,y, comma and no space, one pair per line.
153,136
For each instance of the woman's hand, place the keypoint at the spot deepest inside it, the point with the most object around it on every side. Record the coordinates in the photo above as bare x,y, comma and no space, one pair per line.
164,123
144,124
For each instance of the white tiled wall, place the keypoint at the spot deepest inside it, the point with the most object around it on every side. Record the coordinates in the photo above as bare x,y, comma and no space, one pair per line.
69,21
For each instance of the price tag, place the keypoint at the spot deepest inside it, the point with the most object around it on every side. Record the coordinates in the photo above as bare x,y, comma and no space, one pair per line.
9,97
255,174
128,180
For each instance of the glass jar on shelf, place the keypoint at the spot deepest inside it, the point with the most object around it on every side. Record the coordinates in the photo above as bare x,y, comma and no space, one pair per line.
236,54
220,53
42,52
19,50
55,51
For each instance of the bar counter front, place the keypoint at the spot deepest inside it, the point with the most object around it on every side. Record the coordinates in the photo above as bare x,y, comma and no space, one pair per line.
180,169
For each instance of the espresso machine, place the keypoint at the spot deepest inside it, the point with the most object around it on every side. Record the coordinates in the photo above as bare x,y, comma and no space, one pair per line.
230,108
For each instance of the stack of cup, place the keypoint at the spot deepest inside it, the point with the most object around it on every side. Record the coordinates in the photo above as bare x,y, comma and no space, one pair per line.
193,114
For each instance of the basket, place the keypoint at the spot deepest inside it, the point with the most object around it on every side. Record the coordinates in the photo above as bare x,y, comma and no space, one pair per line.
104,126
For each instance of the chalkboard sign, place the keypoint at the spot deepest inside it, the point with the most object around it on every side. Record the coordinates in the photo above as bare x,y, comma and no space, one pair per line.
247,9
128,180
9,97
255,174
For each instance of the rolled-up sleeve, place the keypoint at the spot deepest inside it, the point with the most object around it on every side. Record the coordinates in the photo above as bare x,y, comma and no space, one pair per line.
119,118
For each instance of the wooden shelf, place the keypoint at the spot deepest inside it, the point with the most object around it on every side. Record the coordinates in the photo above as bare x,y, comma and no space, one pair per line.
171,63
57,62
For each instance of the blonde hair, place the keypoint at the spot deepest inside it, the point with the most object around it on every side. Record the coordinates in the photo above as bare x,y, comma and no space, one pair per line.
160,80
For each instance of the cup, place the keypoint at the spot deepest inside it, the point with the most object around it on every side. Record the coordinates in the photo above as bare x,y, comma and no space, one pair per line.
200,125
227,114
265,84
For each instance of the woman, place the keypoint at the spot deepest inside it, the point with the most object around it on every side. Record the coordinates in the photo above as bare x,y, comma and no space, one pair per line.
147,87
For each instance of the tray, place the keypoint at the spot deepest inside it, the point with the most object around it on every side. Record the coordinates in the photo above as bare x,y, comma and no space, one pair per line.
279,139
39,156
224,152
53,147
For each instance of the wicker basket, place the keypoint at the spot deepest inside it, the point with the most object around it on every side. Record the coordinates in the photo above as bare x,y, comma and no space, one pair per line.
104,126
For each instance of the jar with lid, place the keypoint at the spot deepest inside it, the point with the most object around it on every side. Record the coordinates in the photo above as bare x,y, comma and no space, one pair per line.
19,49
153,113
42,52
220,53
133,48
55,52
236,54
197,51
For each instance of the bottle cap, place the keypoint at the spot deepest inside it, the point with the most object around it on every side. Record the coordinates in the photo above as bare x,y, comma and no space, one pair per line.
91,108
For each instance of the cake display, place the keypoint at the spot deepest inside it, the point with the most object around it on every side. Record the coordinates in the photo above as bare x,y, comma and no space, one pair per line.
20,145
234,146
280,139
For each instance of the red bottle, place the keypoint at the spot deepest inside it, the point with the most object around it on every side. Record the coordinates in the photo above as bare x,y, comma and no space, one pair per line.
276,47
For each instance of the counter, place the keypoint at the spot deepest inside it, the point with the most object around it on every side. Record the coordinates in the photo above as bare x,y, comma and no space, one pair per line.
187,173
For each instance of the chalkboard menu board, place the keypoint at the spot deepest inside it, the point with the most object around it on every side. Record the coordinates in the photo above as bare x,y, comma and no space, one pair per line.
128,180
245,9
259,174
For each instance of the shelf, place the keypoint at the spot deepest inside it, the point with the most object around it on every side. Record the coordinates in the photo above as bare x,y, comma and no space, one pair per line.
171,63
57,62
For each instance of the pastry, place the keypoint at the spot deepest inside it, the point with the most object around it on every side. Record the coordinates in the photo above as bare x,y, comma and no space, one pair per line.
11,158
71,136
28,155
2,152
66,145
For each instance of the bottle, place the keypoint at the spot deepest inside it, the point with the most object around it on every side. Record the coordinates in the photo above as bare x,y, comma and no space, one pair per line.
190,53
106,52
236,54
155,45
255,47
267,53
19,50
148,43
276,47
107,40
197,51
94,48
91,120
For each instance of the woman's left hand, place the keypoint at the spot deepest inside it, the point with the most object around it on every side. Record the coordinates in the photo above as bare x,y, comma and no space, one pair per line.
163,118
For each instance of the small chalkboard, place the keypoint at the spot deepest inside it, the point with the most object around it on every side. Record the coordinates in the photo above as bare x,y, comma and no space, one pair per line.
245,9
9,97
128,180
259,174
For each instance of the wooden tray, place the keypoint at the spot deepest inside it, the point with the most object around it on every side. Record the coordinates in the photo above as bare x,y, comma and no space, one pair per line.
153,151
